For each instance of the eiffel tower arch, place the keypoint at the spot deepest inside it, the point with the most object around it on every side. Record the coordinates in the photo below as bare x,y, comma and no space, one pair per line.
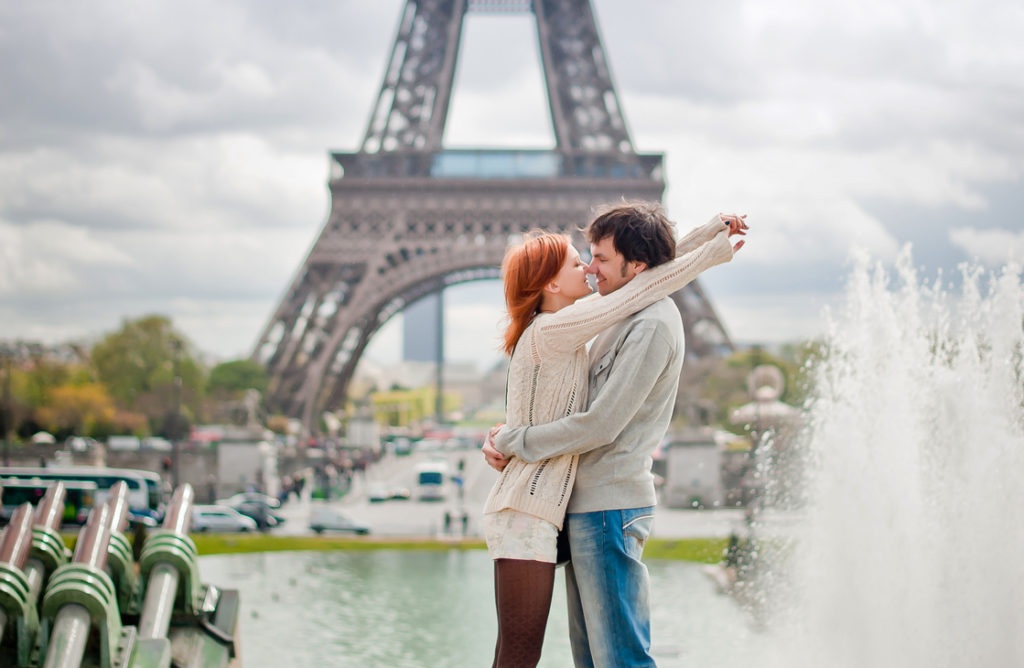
409,217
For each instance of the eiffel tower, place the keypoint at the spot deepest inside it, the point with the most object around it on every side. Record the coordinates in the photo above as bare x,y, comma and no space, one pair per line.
409,218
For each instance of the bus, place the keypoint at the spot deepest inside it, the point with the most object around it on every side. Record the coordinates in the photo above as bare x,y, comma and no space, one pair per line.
79,498
145,488
430,480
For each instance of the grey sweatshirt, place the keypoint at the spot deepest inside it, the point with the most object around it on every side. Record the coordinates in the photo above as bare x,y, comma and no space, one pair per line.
633,381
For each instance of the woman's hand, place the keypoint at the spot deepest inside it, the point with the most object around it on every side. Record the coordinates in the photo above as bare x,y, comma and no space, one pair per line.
492,456
737,226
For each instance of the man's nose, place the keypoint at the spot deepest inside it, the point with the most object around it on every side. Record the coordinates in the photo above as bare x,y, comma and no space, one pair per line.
592,267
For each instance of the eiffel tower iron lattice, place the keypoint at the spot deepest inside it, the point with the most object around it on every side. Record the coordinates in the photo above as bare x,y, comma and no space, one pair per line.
409,217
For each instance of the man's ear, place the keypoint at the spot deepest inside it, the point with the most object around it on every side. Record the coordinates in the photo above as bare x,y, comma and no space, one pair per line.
639,266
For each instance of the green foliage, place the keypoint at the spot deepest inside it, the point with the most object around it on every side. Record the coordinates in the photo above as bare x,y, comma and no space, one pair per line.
805,356
14,410
139,364
231,379
720,384
136,359
40,378
701,550
124,385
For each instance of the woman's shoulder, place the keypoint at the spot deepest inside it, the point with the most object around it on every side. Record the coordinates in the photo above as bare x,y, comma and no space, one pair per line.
543,345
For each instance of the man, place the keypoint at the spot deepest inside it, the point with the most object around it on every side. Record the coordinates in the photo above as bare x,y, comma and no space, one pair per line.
634,377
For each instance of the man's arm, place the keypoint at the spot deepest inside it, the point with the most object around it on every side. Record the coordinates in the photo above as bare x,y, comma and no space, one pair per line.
638,365
698,236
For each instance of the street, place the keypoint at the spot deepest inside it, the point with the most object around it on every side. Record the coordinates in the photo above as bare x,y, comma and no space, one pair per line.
414,518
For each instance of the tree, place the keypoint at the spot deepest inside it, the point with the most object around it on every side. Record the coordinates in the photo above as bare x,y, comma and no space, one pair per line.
44,373
232,379
77,409
234,391
720,384
139,364
31,375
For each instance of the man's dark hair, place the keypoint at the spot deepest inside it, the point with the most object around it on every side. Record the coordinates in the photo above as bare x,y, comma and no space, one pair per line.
640,231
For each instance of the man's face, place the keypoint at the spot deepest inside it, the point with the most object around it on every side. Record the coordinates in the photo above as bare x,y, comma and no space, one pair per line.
609,267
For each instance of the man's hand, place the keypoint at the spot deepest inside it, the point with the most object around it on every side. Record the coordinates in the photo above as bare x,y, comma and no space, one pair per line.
494,459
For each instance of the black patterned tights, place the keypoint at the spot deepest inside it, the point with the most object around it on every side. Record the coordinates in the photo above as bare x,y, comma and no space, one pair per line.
522,592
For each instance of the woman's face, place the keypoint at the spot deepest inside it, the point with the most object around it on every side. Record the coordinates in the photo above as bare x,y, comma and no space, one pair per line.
572,277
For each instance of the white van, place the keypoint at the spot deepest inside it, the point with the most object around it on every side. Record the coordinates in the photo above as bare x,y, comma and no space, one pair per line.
431,479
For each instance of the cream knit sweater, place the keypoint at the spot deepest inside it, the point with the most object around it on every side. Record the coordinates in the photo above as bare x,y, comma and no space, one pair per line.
547,374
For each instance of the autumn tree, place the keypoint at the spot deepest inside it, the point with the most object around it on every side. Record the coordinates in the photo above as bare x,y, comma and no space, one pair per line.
85,409
32,373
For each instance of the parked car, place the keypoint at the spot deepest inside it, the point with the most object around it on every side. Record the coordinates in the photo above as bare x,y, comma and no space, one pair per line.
325,519
157,443
220,518
261,512
242,497
401,493
123,443
380,493
80,443
259,507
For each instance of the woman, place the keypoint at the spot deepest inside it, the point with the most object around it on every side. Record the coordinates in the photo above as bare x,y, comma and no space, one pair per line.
546,338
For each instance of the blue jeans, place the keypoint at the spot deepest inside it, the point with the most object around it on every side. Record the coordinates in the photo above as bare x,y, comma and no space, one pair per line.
608,588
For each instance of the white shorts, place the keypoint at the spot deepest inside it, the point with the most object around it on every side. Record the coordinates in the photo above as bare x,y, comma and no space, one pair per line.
511,534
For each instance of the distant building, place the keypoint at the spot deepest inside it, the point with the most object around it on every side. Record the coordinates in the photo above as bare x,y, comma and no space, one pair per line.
420,330
472,388
410,407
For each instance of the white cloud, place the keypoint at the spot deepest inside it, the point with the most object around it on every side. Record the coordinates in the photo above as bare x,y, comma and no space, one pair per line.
992,247
778,319
46,257
172,156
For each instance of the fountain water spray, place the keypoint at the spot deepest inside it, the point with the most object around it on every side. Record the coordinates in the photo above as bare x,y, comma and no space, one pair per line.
910,552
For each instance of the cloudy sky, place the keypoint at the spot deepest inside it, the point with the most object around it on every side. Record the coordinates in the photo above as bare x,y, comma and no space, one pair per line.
171,157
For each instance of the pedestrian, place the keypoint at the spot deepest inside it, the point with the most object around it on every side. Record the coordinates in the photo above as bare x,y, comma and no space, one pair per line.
546,338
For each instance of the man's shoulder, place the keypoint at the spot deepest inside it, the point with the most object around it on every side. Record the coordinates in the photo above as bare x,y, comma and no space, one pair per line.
661,316
663,309
660,320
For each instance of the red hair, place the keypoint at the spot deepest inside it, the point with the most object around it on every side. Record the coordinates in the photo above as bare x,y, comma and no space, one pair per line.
526,269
